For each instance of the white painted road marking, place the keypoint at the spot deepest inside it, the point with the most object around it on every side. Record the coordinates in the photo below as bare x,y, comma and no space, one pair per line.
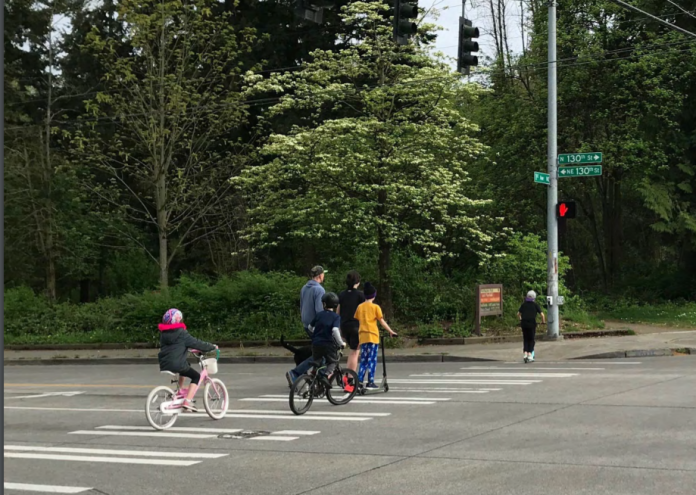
109,460
24,487
499,375
362,401
361,398
251,414
151,433
526,368
47,394
296,432
469,382
271,437
173,429
141,453
448,391
603,363
202,430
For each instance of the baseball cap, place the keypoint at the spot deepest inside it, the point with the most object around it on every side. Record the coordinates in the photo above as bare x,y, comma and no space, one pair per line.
317,270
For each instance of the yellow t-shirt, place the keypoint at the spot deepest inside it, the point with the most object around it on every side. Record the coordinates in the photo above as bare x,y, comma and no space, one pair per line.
368,314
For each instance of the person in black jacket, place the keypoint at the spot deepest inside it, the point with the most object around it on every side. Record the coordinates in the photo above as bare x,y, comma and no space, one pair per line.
527,315
175,341
348,302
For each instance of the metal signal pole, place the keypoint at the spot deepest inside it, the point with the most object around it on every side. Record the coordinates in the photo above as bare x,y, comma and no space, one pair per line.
553,327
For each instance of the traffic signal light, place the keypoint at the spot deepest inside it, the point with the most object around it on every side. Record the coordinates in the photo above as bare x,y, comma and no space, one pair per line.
566,209
312,10
403,26
466,46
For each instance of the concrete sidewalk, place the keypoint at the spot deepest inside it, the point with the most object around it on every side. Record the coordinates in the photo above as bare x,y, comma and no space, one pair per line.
663,342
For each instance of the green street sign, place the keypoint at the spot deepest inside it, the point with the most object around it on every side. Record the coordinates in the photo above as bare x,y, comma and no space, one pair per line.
589,171
579,158
542,178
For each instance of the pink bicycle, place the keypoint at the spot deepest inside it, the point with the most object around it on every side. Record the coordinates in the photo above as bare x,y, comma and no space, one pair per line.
164,404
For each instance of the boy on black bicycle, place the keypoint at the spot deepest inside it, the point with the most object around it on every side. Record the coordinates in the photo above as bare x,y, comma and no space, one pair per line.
326,337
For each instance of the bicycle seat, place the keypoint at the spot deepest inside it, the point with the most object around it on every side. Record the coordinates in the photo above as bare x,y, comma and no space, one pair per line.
169,373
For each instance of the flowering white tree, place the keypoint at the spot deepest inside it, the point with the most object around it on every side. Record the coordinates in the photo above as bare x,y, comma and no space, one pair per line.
381,153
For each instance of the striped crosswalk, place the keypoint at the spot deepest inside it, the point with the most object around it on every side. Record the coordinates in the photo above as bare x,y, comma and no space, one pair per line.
109,456
29,487
413,391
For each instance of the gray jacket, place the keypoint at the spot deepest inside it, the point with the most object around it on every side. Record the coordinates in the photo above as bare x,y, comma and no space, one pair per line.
310,301
173,347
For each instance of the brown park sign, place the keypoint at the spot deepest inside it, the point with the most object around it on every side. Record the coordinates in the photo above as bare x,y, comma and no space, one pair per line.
489,302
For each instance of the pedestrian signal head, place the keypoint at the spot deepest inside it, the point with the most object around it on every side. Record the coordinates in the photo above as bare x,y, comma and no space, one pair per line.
566,209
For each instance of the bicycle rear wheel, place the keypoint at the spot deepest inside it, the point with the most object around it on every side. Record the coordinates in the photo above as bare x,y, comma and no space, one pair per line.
302,394
343,392
157,419
216,400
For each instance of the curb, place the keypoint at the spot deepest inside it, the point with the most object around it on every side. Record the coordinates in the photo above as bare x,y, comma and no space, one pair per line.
498,339
642,353
414,358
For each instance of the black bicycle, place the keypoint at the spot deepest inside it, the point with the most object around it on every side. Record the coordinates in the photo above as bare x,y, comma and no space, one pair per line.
309,387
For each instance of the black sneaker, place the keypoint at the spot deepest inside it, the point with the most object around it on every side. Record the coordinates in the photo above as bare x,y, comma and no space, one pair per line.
325,381
288,377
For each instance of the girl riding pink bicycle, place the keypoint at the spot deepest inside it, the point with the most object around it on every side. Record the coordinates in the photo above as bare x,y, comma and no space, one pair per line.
175,342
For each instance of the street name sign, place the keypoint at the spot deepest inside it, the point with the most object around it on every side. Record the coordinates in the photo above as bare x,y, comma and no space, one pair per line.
542,178
589,171
579,158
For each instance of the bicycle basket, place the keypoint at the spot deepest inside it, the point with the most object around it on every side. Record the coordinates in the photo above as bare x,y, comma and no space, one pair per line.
211,365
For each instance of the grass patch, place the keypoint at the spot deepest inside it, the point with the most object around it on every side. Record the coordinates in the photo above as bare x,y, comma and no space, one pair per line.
670,314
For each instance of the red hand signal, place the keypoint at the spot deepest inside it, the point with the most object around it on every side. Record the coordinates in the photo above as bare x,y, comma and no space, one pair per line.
563,209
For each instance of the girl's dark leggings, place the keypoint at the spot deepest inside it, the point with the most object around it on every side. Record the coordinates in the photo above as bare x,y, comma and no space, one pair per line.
528,334
194,375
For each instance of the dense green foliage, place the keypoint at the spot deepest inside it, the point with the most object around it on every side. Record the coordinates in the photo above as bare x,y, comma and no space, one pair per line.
229,146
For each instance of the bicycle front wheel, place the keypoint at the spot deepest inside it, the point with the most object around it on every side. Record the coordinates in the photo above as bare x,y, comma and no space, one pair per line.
157,419
301,395
216,400
343,392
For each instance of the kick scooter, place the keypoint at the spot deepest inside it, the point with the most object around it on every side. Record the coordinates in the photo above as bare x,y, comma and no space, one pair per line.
383,386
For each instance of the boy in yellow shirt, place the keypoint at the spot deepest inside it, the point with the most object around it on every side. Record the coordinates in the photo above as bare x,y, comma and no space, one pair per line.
368,314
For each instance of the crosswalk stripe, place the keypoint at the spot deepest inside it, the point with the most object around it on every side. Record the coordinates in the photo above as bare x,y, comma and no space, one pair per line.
271,437
361,401
447,389
202,430
251,414
607,363
172,429
151,433
386,397
296,432
141,453
527,368
469,382
109,460
500,375
336,413
25,487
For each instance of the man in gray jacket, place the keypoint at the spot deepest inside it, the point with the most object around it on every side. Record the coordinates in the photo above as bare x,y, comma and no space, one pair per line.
310,306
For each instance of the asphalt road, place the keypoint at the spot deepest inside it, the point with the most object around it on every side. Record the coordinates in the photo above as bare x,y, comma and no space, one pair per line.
602,427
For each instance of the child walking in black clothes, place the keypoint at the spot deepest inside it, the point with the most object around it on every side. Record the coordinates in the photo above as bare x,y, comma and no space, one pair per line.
527,315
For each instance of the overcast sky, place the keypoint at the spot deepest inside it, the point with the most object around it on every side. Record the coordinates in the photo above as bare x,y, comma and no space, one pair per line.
479,14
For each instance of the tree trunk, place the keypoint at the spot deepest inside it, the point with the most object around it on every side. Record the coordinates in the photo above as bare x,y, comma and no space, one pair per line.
161,203
85,290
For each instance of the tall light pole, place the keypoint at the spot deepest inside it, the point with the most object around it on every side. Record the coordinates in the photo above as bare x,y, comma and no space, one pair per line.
553,327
